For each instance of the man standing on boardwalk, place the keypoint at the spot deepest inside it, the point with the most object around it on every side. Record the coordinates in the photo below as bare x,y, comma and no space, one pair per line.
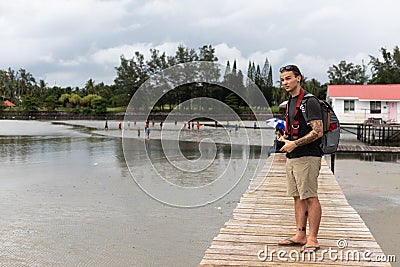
303,163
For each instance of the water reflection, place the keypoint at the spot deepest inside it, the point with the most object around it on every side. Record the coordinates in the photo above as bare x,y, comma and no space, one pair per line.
189,164
40,149
73,190
382,157
189,174
22,149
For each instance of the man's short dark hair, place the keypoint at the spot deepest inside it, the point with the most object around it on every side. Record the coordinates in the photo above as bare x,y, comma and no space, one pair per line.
292,68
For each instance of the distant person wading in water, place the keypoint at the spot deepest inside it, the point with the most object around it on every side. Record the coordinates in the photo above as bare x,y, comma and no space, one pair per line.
148,132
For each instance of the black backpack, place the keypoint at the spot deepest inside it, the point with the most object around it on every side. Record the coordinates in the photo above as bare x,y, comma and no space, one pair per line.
331,124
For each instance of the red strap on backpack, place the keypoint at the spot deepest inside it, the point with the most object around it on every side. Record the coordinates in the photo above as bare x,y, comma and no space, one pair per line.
294,128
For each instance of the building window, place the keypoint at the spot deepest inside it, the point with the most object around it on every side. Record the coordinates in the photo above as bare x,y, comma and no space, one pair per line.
375,106
348,105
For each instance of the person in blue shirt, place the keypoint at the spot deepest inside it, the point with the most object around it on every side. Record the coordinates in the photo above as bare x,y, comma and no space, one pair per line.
148,132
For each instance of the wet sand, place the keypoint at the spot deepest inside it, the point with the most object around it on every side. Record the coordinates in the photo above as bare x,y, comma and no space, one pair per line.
373,189
371,184
94,215
246,135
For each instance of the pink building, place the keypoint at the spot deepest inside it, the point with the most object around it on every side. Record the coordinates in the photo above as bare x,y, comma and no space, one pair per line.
356,103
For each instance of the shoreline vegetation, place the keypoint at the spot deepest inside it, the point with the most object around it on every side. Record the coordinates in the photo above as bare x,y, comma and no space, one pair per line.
21,91
64,115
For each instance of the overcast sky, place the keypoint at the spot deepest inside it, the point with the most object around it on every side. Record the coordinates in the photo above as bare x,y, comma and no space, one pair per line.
66,43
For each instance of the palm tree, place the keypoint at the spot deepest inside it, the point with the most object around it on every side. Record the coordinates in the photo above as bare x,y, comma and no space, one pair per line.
42,87
312,86
3,81
9,84
90,87
279,95
26,82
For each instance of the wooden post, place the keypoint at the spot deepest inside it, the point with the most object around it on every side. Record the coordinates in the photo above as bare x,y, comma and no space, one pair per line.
358,132
369,134
364,133
379,134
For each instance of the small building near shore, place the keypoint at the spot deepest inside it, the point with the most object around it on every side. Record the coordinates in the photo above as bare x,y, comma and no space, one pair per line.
357,103
8,103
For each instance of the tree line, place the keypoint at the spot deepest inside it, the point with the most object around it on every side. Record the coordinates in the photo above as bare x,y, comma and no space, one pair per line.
23,89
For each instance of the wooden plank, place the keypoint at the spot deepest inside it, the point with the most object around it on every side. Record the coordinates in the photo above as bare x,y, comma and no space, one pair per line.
296,256
224,262
265,216
253,248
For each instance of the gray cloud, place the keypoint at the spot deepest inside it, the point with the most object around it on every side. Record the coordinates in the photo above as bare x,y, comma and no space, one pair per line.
69,42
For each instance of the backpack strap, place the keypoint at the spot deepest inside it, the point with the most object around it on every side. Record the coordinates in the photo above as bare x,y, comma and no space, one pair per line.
303,105
293,129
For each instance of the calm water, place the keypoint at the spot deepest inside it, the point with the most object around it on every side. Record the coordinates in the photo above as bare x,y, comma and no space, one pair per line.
67,198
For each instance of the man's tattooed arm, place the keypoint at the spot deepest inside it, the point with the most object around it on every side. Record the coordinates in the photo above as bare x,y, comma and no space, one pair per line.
314,134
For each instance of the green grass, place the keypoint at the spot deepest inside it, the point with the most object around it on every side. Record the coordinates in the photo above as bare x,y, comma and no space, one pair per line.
116,109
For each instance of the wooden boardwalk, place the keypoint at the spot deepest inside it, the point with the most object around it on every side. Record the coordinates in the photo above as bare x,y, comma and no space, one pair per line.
265,215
